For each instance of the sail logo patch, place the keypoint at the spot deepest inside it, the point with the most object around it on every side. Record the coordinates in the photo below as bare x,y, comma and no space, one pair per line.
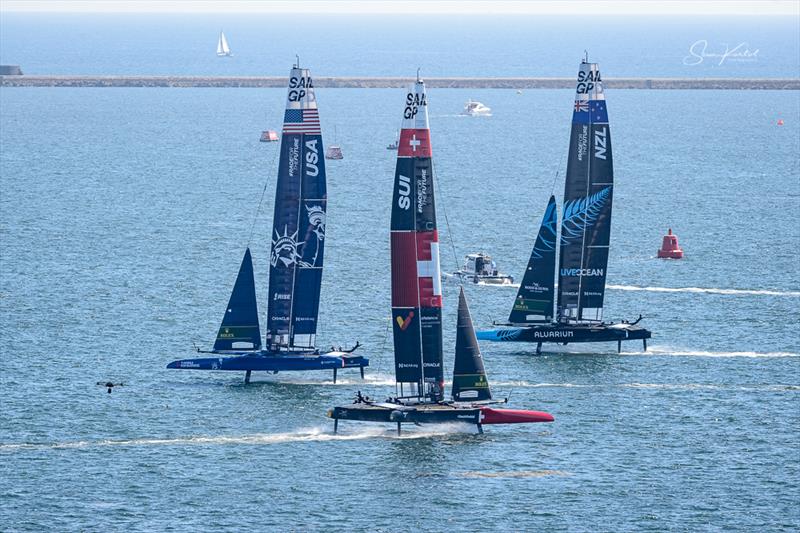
583,142
413,103
404,188
404,323
312,158
600,142
583,272
422,190
589,81
298,86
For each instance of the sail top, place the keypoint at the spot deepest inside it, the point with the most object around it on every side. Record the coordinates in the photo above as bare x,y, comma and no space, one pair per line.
415,114
590,84
240,329
301,90
469,374
415,137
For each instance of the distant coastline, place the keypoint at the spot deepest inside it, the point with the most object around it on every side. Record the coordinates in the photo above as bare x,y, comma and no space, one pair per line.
393,82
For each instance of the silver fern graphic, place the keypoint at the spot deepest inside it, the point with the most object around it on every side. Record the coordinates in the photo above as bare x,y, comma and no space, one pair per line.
546,241
581,213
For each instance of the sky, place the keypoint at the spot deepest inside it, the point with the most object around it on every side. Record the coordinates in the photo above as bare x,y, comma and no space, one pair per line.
461,7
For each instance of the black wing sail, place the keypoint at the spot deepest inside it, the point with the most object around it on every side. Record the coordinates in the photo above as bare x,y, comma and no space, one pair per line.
239,329
588,192
469,375
534,302
298,231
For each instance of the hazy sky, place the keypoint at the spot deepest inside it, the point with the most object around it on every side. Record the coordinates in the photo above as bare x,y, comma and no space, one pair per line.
469,7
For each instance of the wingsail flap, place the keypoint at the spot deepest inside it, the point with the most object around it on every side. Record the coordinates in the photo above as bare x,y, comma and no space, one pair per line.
588,193
416,273
298,232
535,297
469,375
239,329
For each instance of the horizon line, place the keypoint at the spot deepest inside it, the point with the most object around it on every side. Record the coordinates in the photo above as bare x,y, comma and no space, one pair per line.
415,7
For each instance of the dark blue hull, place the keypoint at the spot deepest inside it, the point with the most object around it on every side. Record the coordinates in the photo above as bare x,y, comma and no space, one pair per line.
566,334
272,363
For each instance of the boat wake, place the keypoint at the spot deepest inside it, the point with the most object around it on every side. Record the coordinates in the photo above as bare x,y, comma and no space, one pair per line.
320,434
369,379
700,290
664,386
655,350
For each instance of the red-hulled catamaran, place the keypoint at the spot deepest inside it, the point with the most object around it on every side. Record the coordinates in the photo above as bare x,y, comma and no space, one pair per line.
296,262
417,305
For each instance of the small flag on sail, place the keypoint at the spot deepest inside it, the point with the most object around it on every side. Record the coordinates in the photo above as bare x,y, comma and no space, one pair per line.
581,106
301,121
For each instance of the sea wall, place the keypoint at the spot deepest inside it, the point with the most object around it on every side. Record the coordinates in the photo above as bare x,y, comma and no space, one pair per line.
362,82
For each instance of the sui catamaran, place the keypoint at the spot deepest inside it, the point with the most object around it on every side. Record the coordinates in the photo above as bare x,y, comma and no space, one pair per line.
584,242
417,306
296,262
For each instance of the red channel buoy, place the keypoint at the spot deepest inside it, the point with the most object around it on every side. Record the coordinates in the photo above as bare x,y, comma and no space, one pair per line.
780,122
669,247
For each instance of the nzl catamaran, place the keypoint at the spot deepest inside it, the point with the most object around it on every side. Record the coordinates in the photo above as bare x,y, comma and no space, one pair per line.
584,241
417,305
296,262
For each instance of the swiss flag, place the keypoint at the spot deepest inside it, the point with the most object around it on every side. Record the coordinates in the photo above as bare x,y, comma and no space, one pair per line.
414,143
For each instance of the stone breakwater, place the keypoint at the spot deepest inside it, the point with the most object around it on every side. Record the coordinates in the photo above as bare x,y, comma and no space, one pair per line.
389,82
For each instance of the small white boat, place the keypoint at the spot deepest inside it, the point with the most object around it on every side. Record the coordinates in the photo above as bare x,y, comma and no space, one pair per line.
394,144
480,268
476,109
223,50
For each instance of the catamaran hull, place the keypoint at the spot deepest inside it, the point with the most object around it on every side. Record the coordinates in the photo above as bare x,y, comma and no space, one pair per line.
565,334
436,414
271,363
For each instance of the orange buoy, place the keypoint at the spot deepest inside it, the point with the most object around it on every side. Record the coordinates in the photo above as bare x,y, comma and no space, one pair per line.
780,122
669,247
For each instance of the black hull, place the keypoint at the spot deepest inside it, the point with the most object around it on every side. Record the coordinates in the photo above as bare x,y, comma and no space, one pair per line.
419,414
566,333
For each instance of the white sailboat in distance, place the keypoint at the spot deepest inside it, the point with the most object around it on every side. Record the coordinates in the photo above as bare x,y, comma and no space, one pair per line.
223,50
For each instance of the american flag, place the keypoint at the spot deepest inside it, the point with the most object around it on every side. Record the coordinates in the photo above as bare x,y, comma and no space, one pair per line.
301,121
581,106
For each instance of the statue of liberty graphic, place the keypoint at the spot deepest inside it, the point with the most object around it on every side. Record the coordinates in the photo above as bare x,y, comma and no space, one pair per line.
315,235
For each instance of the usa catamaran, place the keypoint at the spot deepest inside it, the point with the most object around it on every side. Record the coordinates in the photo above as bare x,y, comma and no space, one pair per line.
296,262
417,306
584,241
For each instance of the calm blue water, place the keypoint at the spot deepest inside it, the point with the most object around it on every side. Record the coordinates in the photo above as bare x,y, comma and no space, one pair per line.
123,217
351,45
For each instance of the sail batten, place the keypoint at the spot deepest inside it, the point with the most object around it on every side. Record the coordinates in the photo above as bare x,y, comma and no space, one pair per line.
416,272
298,232
588,195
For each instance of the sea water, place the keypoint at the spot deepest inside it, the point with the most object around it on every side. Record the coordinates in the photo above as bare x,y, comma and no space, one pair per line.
124,214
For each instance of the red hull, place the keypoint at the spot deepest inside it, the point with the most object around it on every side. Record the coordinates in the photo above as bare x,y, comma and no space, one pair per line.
513,416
